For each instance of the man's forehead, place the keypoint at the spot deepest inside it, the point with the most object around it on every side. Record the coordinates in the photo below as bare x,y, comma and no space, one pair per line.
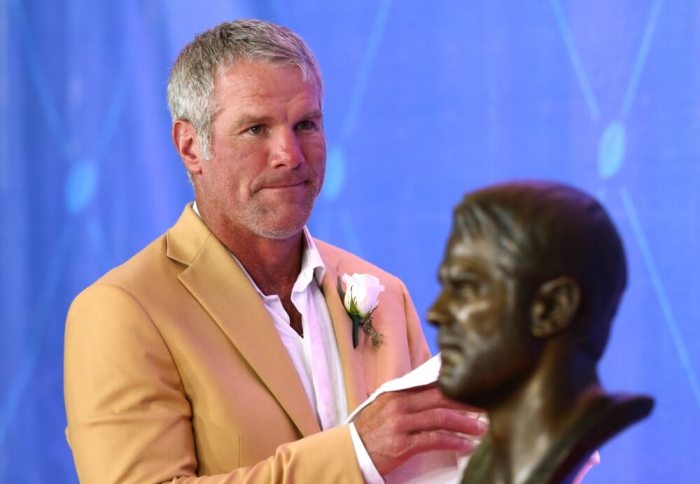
257,79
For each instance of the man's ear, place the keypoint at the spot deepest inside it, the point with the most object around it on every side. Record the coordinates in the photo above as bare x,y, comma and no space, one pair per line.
187,144
554,307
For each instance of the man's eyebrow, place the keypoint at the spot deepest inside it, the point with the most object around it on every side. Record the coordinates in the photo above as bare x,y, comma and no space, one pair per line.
314,114
251,120
245,120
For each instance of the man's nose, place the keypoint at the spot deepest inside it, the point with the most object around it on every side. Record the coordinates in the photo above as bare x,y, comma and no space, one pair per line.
285,150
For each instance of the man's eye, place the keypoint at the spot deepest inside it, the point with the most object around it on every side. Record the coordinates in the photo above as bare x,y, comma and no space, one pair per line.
306,125
257,129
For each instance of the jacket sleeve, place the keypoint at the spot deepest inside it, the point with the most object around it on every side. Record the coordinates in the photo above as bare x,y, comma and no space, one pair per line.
128,416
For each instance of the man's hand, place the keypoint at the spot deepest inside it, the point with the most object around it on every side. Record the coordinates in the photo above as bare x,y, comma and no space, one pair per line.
398,425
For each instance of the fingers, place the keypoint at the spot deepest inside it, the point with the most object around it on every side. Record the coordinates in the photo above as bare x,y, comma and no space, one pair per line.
436,440
398,425
446,420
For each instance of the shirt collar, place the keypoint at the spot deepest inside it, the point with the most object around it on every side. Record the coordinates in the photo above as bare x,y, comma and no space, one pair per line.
311,260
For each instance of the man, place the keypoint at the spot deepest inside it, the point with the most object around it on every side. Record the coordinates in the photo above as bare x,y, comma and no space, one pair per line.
223,349
532,277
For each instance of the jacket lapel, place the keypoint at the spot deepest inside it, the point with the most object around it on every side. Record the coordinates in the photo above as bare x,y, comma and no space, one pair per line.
351,358
217,282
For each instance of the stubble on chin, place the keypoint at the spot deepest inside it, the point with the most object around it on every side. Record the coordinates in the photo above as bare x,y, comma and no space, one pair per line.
279,234
261,221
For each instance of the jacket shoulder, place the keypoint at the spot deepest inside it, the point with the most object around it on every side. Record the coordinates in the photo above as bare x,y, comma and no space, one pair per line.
347,262
148,263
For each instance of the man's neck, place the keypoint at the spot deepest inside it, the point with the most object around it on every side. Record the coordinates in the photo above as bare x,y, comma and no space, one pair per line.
273,264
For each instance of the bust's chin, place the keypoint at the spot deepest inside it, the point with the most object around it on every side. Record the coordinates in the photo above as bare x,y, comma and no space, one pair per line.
454,388
451,387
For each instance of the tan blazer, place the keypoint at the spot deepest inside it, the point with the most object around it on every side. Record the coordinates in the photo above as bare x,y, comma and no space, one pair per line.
173,369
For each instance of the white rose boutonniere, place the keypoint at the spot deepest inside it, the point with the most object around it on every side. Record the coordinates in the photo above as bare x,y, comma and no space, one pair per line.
360,298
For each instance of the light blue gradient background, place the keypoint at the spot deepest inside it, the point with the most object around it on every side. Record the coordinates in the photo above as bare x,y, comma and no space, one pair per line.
424,101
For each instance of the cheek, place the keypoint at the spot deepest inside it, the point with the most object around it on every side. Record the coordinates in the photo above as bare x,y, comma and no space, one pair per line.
239,161
314,150
240,153
226,175
475,317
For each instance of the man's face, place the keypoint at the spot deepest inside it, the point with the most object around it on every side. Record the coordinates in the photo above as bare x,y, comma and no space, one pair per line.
268,150
483,318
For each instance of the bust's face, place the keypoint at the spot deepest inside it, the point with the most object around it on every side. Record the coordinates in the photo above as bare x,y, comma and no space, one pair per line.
483,318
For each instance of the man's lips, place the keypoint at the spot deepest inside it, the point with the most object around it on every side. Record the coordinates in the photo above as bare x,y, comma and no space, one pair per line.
283,185
279,183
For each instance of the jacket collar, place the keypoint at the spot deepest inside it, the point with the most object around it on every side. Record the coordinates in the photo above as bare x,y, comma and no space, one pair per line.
217,282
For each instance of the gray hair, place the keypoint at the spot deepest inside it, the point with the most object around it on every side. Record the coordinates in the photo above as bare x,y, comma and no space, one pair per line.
191,83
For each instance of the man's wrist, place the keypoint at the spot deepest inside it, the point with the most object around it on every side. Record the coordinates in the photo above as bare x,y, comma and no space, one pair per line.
369,471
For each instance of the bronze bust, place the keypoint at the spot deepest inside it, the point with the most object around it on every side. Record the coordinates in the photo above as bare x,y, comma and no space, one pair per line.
531,280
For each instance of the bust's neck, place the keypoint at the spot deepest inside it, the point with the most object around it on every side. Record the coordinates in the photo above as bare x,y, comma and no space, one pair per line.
536,417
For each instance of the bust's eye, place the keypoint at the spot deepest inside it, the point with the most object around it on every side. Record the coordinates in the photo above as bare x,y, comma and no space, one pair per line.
466,288
462,282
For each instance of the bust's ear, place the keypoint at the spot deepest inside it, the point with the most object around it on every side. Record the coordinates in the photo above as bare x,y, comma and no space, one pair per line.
554,307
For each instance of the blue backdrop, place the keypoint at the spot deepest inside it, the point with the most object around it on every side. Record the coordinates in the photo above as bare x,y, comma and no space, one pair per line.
424,101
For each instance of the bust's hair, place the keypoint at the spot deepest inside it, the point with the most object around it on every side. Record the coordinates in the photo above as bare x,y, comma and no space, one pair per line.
548,230
191,82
